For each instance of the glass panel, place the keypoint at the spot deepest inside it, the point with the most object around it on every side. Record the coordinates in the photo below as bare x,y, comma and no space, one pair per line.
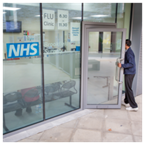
123,21
99,12
22,95
123,17
61,28
105,48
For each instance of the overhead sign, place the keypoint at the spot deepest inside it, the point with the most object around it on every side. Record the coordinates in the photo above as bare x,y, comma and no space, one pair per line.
15,50
48,19
75,31
62,20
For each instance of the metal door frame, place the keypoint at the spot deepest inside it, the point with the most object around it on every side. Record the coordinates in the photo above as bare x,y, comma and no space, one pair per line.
91,27
86,25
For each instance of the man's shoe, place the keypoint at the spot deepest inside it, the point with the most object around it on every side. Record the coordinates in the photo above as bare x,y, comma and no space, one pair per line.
18,112
28,110
130,108
126,105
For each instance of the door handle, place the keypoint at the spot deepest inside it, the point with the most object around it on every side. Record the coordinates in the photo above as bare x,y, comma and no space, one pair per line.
120,59
119,82
117,70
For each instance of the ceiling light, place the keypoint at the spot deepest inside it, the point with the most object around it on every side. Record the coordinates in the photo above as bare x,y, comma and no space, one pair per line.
79,17
76,17
12,2
11,8
38,15
99,16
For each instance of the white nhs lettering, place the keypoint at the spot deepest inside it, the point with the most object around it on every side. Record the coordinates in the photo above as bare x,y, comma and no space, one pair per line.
24,49
12,47
21,49
34,49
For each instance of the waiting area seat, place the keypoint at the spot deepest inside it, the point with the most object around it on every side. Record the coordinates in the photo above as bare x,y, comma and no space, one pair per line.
17,101
11,102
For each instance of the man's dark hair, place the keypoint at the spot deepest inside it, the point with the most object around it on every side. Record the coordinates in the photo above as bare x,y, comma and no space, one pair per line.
128,42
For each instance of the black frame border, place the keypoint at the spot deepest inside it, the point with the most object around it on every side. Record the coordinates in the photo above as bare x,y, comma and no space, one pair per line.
42,60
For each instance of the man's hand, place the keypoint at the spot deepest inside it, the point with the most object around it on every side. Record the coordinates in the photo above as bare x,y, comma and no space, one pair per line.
119,64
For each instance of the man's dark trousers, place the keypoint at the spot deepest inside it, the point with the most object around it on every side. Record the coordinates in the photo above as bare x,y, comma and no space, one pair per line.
129,98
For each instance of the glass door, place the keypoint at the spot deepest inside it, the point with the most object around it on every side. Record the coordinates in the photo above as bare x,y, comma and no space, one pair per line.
104,48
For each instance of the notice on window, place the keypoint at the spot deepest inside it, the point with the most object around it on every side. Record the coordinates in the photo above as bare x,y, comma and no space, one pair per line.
48,19
25,38
30,38
62,20
75,31
20,39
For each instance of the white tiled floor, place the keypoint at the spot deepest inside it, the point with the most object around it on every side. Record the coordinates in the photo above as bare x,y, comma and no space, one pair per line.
22,75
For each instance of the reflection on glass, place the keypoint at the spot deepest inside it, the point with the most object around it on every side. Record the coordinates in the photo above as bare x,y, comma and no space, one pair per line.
105,48
99,12
123,21
22,93
61,57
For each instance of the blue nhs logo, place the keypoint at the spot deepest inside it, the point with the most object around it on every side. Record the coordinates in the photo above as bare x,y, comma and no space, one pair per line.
15,50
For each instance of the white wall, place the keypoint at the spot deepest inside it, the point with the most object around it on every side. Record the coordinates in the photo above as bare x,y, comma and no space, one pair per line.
52,37
137,47
94,41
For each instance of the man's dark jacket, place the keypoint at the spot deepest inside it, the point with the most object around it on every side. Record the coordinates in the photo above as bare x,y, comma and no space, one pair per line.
129,62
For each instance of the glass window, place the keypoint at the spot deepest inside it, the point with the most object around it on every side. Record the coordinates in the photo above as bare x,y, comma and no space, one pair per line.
104,49
123,21
99,12
123,17
61,28
22,95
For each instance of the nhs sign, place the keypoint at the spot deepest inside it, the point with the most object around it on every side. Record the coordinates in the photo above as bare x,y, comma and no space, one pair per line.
15,50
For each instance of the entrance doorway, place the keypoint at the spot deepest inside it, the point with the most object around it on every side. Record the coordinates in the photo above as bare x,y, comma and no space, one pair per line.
103,46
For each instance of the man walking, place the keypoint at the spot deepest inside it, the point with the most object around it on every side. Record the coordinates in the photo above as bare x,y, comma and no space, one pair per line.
129,72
